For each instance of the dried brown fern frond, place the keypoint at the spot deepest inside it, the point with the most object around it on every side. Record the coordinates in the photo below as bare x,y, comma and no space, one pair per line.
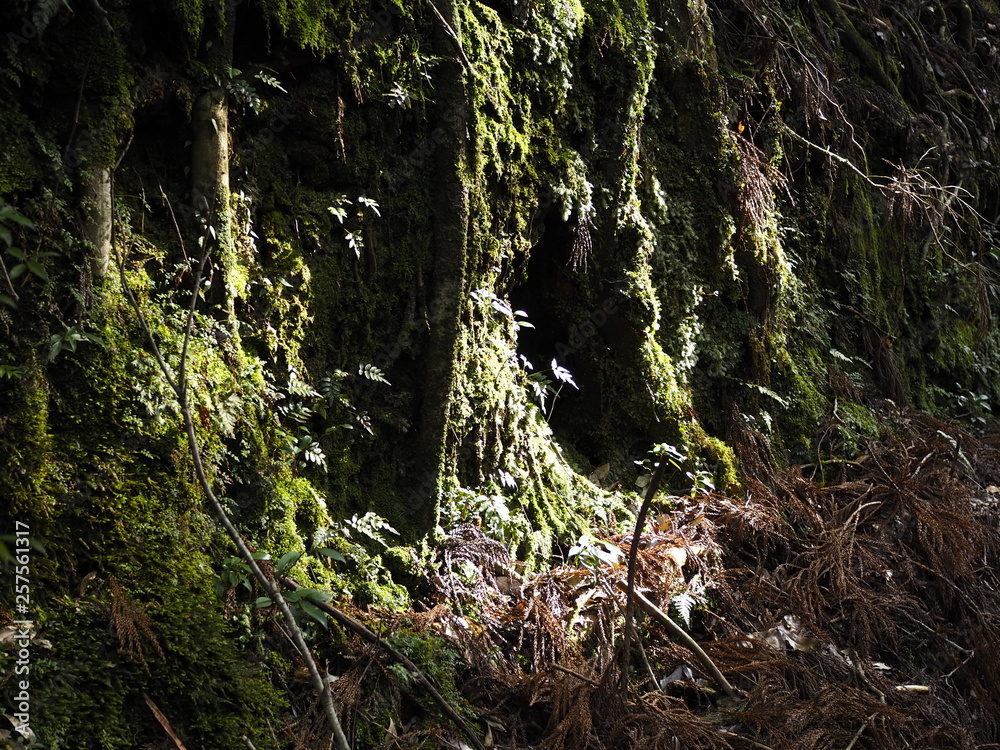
396,739
128,620
660,721
570,719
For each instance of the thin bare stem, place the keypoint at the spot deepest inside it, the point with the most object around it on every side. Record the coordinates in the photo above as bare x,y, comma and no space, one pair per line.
357,627
857,735
10,284
633,559
189,324
454,37
687,641
576,674
179,386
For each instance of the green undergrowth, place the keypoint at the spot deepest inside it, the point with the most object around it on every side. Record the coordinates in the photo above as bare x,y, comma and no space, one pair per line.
651,257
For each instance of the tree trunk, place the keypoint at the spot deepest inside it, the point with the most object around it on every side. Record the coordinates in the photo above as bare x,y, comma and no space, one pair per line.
97,218
450,240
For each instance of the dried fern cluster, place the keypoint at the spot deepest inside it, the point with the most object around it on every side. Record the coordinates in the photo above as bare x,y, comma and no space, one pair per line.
863,610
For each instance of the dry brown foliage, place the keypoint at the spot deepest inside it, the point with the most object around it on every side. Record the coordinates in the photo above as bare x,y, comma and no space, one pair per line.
862,610
128,621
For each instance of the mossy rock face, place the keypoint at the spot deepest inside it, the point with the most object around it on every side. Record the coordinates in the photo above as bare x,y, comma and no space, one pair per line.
651,191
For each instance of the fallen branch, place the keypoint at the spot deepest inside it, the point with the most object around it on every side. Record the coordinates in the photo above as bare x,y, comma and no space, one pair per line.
360,629
633,558
178,385
686,640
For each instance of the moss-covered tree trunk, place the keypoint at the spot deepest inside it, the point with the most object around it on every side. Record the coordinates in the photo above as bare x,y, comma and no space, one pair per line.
733,229
449,213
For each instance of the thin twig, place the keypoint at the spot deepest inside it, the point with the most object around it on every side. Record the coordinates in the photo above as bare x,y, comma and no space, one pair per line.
727,733
454,36
649,667
173,218
10,284
128,145
633,556
357,627
76,111
179,386
857,735
576,674
690,643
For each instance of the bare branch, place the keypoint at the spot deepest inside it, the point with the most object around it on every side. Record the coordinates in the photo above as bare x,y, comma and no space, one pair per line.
357,627
273,591
633,556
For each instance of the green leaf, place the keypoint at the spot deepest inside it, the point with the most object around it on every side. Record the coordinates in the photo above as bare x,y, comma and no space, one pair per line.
684,604
261,555
36,268
9,214
332,553
286,562
263,602
320,596
4,299
6,236
372,372
314,612
17,270
54,349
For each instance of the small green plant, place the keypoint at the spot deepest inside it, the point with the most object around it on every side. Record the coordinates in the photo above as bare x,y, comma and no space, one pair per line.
306,409
544,386
300,600
372,372
400,98
23,263
68,339
486,298
966,404
544,383
236,574
372,526
702,480
242,89
353,226
592,553
488,510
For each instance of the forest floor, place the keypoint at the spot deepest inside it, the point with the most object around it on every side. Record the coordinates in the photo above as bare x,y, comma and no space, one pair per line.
848,604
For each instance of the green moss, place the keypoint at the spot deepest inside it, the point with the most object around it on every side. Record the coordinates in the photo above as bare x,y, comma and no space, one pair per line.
590,125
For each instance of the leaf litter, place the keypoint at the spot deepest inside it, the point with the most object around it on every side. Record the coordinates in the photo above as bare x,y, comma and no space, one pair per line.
862,613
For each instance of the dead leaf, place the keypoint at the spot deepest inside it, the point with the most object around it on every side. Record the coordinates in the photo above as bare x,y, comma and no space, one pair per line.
678,556
600,475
